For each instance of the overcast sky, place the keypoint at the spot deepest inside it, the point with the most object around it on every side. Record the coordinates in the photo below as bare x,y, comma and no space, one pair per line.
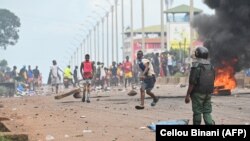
53,29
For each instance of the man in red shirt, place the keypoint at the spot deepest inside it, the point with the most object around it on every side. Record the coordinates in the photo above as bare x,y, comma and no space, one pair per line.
87,70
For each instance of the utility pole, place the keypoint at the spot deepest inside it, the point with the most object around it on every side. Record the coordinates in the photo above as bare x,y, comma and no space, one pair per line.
112,32
122,12
168,4
82,44
94,48
77,57
72,61
116,31
107,39
103,39
131,32
98,42
90,45
162,26
143,32
191,28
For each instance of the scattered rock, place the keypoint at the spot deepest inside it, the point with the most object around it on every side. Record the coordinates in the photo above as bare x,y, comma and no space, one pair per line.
132,93
142,128
240,108
49,138
66,136
82,116
87,131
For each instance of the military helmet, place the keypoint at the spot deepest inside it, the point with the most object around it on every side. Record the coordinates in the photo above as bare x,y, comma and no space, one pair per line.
201,52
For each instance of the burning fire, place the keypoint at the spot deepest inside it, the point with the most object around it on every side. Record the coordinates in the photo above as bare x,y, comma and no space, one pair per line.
225,79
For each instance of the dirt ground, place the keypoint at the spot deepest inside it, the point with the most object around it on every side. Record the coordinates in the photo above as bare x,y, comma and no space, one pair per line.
111,116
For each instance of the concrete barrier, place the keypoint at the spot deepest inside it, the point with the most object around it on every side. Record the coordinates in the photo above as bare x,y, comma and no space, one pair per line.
171,80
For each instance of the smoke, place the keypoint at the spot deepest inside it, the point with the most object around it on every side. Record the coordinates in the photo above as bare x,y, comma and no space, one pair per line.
227,33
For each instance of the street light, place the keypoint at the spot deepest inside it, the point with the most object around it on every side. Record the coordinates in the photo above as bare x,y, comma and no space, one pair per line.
98,39
131,30
191,28
90,35
112,27
162,26
102,21
116,25
122,12
107,15
82,44
142,21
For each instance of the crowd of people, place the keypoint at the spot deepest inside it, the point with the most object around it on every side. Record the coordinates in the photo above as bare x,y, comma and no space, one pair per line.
143,72
125,73
29,79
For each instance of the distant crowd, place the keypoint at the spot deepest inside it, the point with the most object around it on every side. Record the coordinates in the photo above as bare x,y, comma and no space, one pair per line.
29,78
125,73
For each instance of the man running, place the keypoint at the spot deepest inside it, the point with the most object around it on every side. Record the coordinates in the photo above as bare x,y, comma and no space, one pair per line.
147,77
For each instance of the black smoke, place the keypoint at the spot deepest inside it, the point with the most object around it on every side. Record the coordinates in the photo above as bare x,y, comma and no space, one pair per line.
226,33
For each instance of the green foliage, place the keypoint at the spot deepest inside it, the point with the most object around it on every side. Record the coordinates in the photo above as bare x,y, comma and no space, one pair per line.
3,63
9,24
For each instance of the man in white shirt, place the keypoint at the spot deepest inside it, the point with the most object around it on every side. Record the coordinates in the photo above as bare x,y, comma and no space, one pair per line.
147,78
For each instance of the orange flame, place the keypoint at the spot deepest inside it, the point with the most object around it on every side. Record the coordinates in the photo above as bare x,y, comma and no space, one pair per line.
225,77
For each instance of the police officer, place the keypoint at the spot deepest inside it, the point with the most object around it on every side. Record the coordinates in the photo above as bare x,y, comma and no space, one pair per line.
201,85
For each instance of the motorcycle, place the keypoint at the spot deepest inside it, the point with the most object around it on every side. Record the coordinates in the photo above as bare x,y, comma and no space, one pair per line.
66,82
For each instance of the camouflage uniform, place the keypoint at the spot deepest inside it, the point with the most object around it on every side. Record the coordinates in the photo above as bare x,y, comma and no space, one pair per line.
201,102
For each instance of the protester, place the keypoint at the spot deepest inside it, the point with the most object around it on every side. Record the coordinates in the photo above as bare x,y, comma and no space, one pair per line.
36,73
127,67
55,76
87,72
75,74
147,77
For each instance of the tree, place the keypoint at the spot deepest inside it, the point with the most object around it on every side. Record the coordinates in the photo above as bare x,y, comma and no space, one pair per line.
3,63
9,24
